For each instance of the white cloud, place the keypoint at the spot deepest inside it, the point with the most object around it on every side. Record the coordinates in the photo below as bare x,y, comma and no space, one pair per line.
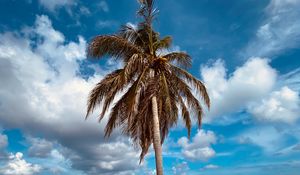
39,147
233,93
103,6
17,165
200,146
280,106
41,92
210,166
278,32
181,169
56,4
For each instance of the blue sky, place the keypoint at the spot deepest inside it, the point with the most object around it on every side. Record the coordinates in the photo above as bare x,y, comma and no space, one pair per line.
245,51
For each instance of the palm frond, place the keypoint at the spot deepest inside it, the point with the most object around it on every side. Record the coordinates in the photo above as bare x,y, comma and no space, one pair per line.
163,43
194,82
129,32
101,89
124,107
135,65
184,90
181,58
113,46
185,116
140,129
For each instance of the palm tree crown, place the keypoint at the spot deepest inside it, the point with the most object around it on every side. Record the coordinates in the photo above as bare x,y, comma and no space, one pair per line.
146,73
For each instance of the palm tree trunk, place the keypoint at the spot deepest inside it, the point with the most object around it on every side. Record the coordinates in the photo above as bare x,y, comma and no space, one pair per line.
156,138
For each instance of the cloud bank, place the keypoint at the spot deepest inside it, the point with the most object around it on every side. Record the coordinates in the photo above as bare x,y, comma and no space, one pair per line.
42,92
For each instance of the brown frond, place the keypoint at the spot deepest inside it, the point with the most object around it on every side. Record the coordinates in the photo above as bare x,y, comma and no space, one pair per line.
163,43
140,128
185,115
101,90
130,33
135,65
181,58
165,92
184,90
113,46
194,82
167,108
124,107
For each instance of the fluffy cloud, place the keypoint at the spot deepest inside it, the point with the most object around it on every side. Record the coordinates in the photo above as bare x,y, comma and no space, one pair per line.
41,92
233,93
56,4
279,31
200,147
252,87
17,165
280,106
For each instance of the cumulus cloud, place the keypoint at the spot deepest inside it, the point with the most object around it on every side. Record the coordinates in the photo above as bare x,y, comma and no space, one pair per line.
233,93
200,146
41,92
17,165
278,32
280,106
252,87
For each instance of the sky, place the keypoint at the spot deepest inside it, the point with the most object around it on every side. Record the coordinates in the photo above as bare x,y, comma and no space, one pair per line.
245,51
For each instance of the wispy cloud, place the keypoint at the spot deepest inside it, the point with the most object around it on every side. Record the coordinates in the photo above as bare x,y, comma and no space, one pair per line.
103,6
278,32
56,4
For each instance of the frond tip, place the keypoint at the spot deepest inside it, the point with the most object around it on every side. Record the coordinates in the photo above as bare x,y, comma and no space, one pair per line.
181,58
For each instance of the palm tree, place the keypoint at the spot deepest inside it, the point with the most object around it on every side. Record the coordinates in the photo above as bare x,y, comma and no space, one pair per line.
156,87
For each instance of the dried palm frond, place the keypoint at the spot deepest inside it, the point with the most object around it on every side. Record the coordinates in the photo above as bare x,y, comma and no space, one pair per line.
181,58
163,43
194,82
113,46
